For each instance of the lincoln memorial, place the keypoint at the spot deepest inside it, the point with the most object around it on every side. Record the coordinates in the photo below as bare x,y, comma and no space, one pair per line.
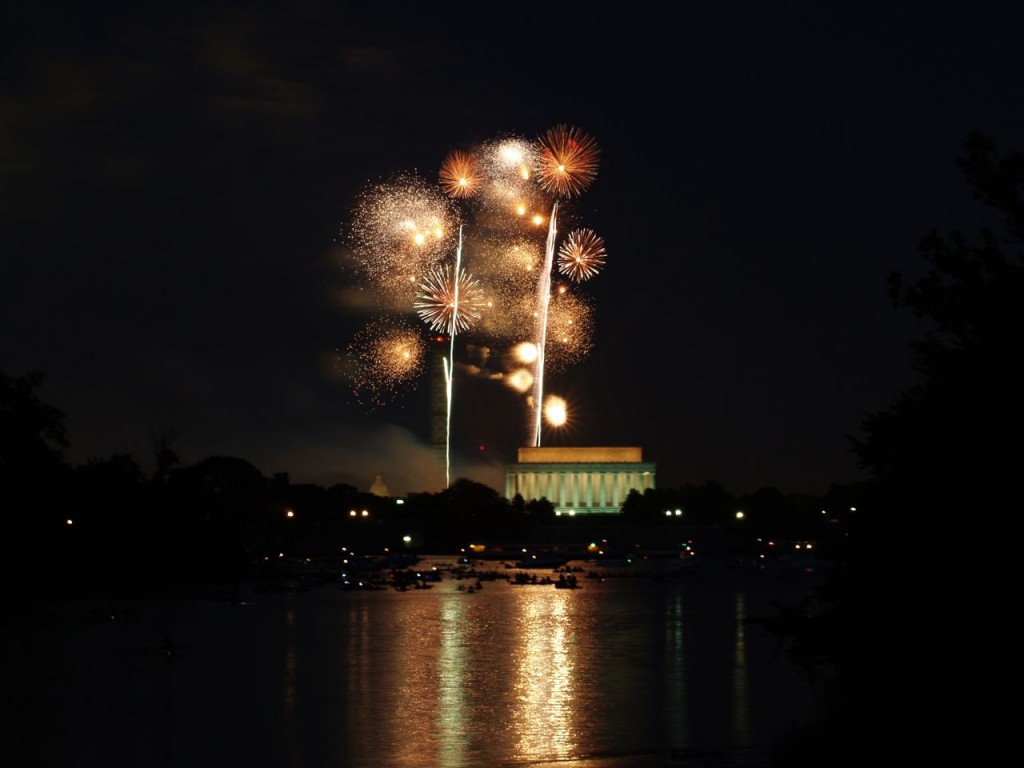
588,480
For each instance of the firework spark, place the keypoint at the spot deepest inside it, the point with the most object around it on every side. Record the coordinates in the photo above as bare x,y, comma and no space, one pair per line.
447,307
508,270
384,359
568,160
525,352
460,174
401,229
570,329
520,380
581,255
511,200
556,411
510,157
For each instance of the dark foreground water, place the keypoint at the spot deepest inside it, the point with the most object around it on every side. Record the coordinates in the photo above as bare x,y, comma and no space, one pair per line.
629,670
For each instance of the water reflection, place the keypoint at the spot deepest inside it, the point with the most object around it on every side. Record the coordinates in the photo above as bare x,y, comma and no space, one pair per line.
415,679
543,715
364,677
452,713
675,668
512,675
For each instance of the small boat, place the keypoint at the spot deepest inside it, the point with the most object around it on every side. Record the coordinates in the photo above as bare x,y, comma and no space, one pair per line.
567,582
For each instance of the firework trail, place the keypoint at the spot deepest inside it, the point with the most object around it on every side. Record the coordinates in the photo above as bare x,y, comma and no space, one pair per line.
449,300
543,301
441,304
449,365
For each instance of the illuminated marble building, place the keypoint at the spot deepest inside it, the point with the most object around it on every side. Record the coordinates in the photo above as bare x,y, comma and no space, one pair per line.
590,480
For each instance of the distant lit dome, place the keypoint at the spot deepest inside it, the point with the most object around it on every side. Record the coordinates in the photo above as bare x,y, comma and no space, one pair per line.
378,488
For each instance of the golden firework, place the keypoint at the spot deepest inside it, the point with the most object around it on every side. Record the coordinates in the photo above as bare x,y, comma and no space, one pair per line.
556,411
401,228
509,156
520,380
446,306
460,174
384,359
568,160
403,232
569,331
509,196
582,255
507,268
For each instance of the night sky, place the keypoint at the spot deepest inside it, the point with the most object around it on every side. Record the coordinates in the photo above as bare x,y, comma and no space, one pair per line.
176,187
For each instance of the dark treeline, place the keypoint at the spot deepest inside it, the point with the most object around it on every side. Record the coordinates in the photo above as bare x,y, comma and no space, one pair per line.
107,525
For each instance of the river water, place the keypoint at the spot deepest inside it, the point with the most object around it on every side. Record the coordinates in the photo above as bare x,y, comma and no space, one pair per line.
631,669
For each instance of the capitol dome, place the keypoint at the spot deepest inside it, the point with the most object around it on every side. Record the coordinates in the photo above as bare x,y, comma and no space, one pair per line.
378,488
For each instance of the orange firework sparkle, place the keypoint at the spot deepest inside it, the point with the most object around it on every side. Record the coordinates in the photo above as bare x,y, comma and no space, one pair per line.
581,255
460,174
568,161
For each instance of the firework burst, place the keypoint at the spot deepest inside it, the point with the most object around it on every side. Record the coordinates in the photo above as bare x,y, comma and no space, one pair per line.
384,359
446,306
401,229
509,158
460,174
581,255
510,198
556,410
570,329
508,269
520,380
568,160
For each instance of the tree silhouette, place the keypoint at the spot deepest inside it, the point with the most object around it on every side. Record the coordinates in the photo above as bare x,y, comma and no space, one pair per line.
33,478
913,621
166,458
32,432
949,434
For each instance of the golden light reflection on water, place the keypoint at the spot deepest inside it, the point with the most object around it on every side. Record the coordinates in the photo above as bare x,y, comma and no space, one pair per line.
367,669
417,680
452,712
522,675
544,694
